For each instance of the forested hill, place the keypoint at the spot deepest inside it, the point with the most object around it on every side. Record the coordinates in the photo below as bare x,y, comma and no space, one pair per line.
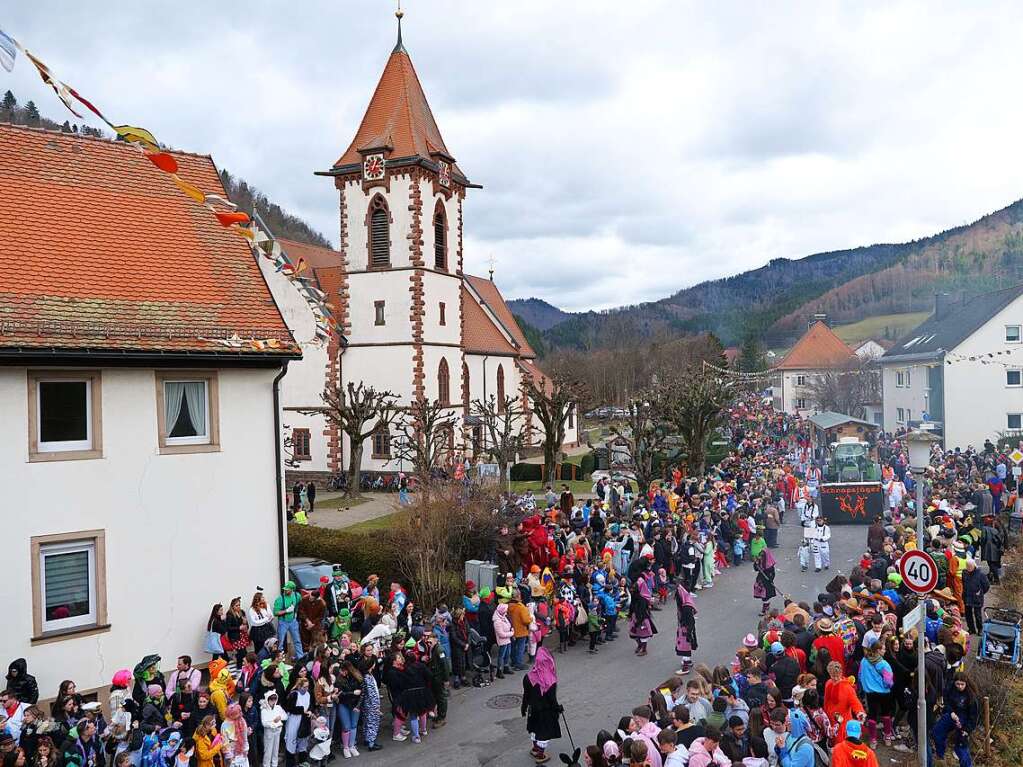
247,198
774,301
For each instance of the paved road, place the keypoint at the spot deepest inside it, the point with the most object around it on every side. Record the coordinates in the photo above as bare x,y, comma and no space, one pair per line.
596,690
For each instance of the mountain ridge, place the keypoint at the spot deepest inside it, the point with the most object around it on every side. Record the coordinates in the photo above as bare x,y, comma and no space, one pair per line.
773,301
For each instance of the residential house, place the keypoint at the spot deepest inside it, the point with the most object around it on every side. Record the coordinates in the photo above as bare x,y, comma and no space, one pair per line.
140,467
960,371
817,352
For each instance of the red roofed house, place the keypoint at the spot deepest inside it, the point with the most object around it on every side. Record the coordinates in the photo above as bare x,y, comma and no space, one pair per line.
140,472
412,321
818,351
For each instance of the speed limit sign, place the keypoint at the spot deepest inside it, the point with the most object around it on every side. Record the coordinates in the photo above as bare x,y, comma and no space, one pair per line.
918,571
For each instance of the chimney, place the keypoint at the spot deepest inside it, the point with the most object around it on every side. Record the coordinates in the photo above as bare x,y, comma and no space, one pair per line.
819,317
944,303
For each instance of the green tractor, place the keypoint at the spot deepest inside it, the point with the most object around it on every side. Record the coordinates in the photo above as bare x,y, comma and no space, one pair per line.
850,460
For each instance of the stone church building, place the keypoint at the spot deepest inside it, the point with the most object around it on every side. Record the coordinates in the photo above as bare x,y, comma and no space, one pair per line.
409,319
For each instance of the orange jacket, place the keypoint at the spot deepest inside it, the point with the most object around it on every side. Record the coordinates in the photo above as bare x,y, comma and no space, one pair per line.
840,698
849,754
520,618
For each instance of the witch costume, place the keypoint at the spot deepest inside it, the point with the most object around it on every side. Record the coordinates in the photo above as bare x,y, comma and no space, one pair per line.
641,624
685,637
540,704
763,586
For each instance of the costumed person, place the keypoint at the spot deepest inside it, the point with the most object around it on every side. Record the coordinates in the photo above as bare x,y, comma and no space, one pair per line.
852,751
272,716
235,732
763,586
821,545
540,704
641,624
685,636
840,701
296,731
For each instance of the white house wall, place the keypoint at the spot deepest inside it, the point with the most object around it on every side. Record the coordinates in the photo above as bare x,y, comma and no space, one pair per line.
914,398
977,400
182,531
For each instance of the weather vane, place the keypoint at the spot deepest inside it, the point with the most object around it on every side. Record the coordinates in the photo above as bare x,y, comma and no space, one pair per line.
492,262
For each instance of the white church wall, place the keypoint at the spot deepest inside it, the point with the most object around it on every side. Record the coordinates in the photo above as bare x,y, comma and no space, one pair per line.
365,290
356,209
437,289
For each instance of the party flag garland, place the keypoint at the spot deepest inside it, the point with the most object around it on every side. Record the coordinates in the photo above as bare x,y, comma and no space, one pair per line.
225,211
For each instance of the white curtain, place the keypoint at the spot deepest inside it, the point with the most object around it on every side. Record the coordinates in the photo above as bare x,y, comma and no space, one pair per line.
172,394
195,398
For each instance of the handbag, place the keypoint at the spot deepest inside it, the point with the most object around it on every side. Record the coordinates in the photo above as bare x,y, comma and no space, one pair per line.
213,644
581,618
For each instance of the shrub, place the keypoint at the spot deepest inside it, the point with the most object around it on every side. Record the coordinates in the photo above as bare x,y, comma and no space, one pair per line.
587,464
360,553
527,472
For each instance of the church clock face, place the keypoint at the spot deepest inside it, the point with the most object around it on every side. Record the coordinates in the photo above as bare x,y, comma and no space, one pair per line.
373,167
444,173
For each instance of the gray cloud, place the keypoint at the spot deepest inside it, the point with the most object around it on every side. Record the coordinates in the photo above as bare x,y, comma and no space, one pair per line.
627,150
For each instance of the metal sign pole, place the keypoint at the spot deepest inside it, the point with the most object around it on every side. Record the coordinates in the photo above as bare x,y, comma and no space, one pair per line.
921,704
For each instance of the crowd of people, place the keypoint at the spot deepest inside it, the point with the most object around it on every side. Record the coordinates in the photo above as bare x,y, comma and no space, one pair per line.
314,673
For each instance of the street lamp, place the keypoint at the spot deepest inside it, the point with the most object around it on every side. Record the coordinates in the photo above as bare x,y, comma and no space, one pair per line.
919,444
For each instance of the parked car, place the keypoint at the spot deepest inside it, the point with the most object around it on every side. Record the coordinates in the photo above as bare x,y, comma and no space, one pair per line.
307,571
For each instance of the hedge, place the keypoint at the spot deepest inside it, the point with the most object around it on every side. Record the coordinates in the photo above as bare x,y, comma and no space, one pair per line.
527,472
359,553
588,464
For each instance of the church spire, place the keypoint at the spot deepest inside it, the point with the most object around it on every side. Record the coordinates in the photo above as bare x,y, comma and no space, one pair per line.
399,48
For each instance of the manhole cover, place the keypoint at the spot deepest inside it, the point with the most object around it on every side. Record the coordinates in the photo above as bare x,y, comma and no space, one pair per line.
504,701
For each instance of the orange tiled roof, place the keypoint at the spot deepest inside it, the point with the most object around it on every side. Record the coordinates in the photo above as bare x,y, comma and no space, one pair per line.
398,116
314,255
480,335
819,348
104,252
495,301
330,280
530,368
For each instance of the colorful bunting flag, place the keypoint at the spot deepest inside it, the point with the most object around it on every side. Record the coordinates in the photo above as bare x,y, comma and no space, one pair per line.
139,136
192,191
231,217
163,161
8,51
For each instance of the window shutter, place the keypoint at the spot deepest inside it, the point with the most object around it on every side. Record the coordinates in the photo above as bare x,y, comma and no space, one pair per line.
67,582
440,237
379,236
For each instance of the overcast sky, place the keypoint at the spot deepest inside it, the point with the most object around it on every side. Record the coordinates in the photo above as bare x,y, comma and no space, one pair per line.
626,150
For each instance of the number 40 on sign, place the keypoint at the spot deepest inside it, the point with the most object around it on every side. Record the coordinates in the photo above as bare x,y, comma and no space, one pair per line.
918,571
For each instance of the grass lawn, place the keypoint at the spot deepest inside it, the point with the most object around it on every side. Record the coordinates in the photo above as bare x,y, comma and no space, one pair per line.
576,486
340,502
874,327
380,523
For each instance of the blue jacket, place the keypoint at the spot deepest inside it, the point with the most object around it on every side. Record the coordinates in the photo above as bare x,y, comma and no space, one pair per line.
875,677
796,757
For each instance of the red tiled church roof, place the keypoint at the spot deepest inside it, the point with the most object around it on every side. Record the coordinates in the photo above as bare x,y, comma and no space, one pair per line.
398,117
104,252
480,335
818,349
492,297
325,265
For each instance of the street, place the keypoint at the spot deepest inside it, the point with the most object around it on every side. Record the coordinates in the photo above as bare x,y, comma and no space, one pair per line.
484,726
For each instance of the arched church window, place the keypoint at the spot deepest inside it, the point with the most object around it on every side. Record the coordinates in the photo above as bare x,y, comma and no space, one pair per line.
443,383
379,233
440,237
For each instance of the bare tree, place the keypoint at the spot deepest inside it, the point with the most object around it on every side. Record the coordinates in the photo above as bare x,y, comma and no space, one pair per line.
358,414
647,432
848,389
424,431
552,398
503,428
696,399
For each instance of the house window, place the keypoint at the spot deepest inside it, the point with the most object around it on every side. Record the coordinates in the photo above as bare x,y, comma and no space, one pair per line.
465,387
900,415
378,312
64,415
900,378
382,443
500,388
800,403
300,444
1013,378
379,234
1012,334
1014,421
909,377
443,383
440,238
187,411
68,583
800,380
443,315
571,417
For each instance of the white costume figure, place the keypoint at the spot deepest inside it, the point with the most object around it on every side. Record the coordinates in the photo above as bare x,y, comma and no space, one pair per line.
804,555
120,720
822,545
273,717
813,481
808,514
321,740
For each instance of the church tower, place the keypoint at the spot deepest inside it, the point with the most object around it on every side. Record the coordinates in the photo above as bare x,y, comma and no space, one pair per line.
401,195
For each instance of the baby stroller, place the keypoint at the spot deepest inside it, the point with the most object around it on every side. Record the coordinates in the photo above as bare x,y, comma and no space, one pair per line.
479,660
1000,636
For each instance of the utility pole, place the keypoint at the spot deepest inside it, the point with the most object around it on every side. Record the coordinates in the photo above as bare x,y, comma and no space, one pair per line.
921,640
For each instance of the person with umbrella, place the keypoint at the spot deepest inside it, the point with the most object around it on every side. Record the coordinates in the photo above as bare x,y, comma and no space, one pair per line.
540,704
